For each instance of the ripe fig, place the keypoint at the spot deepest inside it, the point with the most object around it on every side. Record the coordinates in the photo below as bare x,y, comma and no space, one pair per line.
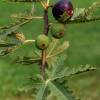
57,30
63,10
42,42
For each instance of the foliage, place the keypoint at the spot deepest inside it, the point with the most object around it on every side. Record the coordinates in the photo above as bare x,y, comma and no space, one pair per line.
53,80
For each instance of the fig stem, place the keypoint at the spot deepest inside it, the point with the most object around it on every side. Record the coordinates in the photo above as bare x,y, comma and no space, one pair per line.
46,25
43,54
43,63
50,6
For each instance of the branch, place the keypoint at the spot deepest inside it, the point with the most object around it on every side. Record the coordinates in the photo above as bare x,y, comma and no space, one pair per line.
46,24
46,29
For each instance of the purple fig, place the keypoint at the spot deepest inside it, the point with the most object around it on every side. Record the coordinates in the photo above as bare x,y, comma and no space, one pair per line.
63,10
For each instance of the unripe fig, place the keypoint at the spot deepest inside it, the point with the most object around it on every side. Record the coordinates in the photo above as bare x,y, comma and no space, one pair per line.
63,10
57,30
42,42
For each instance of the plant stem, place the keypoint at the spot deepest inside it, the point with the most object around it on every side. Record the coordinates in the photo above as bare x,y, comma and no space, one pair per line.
43,63
46,29
46,25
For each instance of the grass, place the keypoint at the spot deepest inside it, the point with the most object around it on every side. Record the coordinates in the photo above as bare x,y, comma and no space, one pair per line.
84,49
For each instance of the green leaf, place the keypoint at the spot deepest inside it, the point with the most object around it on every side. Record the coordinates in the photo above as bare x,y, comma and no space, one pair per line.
27,60
82,15
71,71
57,65
60,91
82,20
14,26
55,53
93,8
7,44
52,46
77,13
41,92
59,50
85,13
6,51
25,54
55,60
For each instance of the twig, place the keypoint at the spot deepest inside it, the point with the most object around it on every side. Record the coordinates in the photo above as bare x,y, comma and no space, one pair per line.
43,63
46,24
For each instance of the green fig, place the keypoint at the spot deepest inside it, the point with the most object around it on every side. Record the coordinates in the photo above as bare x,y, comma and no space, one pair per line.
57,30
42,42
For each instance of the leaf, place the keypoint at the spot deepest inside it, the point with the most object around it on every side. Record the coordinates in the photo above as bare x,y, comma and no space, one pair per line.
60,91
82,15
35,84
27,60
7,44
57,64
25,54
52,46
90,10
42,92
60,49
51,61
85,13
77,13
14,26
11,39
55,51
82,20
71,71
6,51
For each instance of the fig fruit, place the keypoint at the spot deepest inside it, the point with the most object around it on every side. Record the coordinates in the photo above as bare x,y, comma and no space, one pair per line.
57,30
62,10
42,42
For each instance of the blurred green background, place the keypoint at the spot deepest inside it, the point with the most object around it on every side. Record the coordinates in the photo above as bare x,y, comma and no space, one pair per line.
84,49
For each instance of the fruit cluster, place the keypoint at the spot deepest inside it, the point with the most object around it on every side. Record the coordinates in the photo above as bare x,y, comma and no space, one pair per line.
62,12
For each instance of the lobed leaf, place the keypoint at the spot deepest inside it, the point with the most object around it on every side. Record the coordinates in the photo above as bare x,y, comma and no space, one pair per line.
61,92
71,71
82,15
57,65
59,49
41,94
